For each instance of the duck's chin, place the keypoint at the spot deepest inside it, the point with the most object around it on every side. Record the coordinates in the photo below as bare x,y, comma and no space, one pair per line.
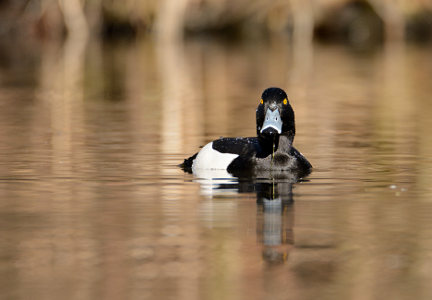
270,132
270,139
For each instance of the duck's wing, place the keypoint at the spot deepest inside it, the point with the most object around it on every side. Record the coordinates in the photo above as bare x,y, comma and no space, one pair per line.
239,146
302,162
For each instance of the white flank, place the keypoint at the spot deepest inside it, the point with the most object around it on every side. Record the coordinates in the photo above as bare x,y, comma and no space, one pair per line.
210,159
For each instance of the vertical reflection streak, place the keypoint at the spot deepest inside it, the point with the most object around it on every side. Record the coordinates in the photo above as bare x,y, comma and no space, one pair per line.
61,94
175,78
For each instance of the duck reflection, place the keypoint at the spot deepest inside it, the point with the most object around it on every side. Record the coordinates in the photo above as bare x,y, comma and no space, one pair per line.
275,209
275,220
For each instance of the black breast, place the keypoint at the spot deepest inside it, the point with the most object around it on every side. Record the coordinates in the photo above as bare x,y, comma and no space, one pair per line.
281,159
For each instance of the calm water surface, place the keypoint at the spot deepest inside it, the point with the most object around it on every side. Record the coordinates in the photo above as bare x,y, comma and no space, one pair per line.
93,205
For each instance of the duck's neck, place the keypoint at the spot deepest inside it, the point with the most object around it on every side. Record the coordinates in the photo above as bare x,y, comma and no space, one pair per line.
284,144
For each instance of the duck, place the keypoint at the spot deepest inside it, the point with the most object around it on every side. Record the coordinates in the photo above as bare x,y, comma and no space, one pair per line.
270,152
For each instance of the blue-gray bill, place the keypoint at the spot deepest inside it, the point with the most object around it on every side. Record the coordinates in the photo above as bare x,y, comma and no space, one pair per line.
272,121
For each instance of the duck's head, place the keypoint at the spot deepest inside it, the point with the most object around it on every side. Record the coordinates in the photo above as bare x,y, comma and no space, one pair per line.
275,116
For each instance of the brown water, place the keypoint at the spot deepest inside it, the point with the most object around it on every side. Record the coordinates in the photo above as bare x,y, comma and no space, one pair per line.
93,205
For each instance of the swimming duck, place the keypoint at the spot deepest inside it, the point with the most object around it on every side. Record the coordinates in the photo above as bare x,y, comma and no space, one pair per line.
271,151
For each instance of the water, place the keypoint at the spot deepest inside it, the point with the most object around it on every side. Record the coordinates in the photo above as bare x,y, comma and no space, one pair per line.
93,205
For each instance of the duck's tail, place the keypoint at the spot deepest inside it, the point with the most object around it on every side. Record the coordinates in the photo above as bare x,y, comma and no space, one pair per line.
187,163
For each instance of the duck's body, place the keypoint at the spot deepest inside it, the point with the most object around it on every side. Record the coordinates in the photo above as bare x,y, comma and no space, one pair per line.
271,150
243,156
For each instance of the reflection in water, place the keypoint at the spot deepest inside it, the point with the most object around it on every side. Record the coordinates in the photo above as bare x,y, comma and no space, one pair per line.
275,210
93,205
275,220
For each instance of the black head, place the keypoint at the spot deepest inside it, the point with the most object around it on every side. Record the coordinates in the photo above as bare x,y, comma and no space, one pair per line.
275,115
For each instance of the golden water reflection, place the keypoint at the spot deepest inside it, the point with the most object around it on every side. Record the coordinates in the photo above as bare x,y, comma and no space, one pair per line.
93,205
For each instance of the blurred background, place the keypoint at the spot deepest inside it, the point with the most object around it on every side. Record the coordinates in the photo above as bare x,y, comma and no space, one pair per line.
351,21
100,100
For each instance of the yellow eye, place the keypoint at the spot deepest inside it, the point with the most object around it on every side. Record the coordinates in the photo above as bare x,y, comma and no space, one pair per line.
285,102
261,101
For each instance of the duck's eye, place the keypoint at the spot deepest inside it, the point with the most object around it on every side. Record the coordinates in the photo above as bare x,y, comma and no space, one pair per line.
285,102
261,101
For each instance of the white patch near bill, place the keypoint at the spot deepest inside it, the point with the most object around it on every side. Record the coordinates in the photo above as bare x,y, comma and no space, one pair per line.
210,159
